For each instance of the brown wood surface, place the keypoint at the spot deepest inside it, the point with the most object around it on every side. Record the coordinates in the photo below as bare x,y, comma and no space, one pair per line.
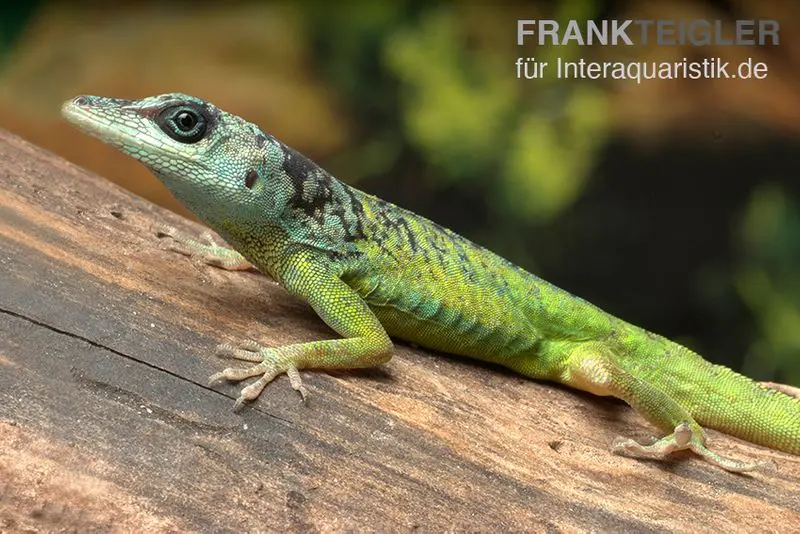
106,422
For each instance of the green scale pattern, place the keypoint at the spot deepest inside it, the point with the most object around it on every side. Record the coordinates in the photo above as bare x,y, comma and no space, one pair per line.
372,270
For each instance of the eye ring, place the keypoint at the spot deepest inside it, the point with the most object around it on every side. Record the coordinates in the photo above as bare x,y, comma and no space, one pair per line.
183,123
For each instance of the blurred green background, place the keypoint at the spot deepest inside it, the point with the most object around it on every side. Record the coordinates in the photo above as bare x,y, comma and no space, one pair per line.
674,204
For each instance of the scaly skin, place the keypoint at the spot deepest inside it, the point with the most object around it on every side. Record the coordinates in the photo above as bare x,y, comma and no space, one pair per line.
372,270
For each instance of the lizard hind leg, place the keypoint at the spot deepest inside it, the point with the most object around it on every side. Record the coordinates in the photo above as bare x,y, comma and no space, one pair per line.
592,367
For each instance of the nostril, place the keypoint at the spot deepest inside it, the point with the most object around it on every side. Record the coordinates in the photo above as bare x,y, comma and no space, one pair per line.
80,101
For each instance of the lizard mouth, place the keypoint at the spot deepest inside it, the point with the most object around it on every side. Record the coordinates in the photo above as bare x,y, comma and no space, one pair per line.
129,127
121,124
103,118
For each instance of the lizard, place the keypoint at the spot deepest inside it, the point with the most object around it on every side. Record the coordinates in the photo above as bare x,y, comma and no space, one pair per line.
374,272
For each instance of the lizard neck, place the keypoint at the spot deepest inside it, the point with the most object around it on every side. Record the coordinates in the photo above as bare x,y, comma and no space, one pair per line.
321,212
302,206
198,199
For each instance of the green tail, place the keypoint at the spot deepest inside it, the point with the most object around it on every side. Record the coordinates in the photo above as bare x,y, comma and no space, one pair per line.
725,400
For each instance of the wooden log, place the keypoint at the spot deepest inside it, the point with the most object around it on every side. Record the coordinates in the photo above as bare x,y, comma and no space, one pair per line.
106,421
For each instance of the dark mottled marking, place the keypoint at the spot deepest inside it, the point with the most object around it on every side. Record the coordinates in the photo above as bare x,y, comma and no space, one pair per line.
301,169
298,167
335,255
392,220
412,241
434,241
469,274
327,193
358,212
394,223
261,140
467,244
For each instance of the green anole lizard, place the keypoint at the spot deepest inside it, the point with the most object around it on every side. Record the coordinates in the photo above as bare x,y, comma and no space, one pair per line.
372,270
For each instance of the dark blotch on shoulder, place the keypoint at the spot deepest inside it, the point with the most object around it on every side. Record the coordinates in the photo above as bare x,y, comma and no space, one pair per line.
301,169
297,166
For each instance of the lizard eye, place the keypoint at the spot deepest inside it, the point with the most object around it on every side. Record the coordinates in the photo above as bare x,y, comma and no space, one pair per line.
182,123
185,121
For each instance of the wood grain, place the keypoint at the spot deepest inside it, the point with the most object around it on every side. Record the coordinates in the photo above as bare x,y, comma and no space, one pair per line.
106,421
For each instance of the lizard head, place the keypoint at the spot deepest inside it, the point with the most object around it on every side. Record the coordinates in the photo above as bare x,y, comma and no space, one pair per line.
219,165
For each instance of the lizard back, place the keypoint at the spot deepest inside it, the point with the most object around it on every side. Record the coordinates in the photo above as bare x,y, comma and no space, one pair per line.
432,286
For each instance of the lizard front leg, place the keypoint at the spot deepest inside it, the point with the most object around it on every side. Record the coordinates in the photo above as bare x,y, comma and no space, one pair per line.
203,249
364,341
593,367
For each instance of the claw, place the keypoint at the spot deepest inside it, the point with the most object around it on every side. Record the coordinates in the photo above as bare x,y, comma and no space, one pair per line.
251,392
297,383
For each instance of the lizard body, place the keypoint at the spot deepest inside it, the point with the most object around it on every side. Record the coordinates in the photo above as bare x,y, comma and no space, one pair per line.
372,270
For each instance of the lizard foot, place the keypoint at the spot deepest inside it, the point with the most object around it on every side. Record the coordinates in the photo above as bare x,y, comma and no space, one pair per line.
270,365
683,438
203,248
